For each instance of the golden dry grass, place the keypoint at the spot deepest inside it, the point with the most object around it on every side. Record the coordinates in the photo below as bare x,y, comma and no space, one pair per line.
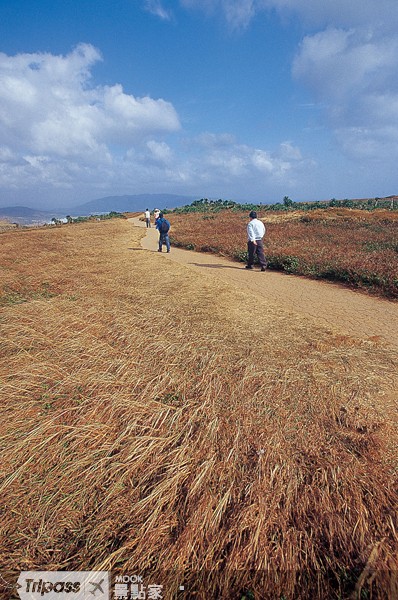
153,422
333,213
6,225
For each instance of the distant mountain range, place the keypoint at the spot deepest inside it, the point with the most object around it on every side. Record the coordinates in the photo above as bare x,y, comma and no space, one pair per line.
26,216
134,203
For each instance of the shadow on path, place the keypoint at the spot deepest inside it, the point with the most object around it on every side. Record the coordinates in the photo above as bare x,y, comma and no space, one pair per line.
215,266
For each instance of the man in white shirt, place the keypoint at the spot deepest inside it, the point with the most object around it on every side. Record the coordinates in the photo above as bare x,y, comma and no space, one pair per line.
147,218
255,245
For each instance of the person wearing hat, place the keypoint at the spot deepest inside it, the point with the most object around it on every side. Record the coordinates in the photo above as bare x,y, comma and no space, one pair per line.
255,244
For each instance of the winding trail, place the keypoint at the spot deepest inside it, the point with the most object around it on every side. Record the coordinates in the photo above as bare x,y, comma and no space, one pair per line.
352,312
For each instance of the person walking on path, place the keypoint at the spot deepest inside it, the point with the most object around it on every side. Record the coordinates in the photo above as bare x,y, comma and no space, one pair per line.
255,244
147,218
163,226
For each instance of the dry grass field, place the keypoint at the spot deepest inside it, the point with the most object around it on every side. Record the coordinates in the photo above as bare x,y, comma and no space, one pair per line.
6,225
156,422
356,247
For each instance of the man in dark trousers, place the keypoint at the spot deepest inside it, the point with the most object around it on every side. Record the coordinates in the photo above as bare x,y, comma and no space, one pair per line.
255,244
163,226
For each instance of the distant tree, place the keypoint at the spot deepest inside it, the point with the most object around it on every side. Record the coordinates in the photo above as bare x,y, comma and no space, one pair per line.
69,219
287,201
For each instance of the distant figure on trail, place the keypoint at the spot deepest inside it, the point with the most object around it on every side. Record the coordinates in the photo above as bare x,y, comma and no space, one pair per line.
147,218
163,226
255,244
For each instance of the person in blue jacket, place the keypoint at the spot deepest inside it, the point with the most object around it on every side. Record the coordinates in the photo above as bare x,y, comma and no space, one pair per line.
163,226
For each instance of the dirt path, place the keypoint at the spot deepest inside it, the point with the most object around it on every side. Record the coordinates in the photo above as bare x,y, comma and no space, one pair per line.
351,312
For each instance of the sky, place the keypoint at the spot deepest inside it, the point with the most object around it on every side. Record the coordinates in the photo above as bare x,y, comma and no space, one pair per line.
245,100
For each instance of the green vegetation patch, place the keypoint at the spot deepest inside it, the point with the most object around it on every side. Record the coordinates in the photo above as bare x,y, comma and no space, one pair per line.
10,296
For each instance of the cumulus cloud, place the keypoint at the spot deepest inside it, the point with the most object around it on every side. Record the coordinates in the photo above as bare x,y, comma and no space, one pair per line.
160,152
337,62
225,161
56,126
354,73
218,165
48,106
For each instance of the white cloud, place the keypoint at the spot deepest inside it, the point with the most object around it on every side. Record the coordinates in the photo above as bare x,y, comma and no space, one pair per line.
237,13
234,164
339,13
338,63
155,7
354,73
215,140
290,152
160,152
48,106
56,128
216,165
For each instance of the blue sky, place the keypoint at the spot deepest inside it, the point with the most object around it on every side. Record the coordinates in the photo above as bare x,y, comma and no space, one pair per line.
237,99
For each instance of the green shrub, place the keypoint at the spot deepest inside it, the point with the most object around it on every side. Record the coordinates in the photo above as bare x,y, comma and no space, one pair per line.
241,255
